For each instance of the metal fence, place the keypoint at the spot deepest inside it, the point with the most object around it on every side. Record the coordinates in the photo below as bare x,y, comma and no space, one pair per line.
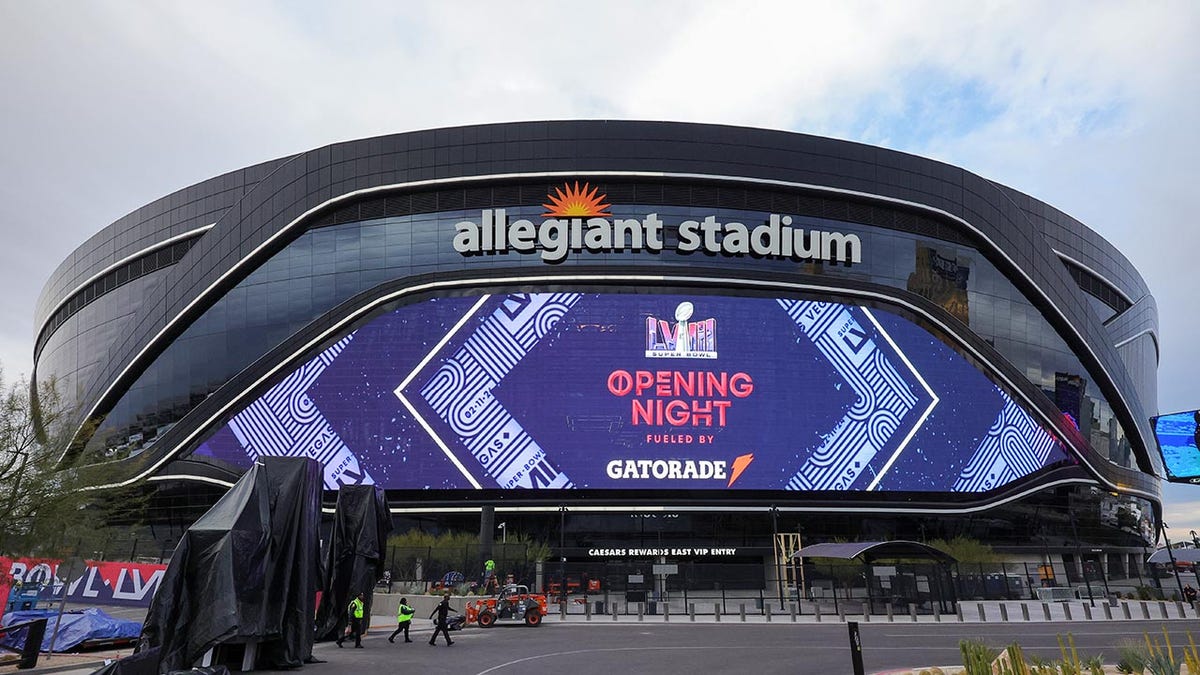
730,588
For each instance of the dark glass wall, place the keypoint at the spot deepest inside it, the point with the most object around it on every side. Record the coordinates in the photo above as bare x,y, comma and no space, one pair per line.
328,265
76,348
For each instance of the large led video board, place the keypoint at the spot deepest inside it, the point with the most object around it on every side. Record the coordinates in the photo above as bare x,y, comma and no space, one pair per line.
1178,436
632,391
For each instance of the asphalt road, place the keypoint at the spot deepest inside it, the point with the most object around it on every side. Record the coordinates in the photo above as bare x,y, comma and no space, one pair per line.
679,649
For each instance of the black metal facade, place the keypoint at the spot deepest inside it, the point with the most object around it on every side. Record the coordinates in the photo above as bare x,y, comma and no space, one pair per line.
112,310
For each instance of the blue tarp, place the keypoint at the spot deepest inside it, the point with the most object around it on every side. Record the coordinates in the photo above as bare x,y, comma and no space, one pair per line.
78,626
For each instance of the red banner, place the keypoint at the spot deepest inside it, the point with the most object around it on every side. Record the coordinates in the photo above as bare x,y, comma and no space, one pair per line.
101,582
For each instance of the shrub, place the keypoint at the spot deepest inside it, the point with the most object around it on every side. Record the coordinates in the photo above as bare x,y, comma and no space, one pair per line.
977,657
1191,657
1131,658
1160,659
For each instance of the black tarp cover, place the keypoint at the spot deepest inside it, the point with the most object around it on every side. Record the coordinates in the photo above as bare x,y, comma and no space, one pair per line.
247,570
354,557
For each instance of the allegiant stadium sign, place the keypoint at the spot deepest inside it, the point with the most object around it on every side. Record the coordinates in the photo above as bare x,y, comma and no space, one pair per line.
576,221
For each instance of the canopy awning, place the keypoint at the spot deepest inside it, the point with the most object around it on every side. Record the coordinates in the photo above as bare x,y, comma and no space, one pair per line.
1186,555
871,551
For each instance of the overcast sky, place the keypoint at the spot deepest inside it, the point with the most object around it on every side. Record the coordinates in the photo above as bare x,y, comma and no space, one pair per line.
1093,107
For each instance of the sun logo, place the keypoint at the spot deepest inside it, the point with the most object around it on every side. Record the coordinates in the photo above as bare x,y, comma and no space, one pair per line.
576,203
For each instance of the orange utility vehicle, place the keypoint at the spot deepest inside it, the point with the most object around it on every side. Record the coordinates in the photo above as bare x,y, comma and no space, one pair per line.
515,603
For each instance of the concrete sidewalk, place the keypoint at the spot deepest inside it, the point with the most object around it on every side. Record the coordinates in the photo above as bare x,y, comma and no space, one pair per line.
970,611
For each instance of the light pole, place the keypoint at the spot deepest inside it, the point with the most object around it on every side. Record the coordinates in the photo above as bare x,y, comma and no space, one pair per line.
1171,555
1079,555
503,527
562,554
775,547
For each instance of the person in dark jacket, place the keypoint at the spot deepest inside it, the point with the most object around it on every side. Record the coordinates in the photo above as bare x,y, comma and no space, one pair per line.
404,615
357,627
441,611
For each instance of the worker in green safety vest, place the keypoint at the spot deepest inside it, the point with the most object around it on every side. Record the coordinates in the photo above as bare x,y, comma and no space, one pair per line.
489,576
355,611
404,615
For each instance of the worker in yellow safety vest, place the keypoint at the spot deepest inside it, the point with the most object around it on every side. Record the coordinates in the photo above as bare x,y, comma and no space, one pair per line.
355,611
404,615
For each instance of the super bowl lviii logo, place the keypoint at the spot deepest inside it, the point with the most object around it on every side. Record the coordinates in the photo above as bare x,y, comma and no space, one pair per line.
683,338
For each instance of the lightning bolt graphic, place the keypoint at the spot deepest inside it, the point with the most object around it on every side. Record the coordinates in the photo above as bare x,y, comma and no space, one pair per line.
739,465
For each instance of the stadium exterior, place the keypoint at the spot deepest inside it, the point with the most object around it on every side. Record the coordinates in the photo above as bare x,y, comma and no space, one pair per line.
648,340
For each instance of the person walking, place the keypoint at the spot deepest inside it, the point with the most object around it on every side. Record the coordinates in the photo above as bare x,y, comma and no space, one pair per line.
441,611
355,610
404,615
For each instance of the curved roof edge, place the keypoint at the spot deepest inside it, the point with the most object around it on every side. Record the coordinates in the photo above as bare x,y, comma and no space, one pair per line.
871,551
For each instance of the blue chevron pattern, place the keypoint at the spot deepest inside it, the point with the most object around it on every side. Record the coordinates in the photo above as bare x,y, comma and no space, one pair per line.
285,422
884,397
460,391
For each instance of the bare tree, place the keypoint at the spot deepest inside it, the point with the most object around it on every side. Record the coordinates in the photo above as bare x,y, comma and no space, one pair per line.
45,508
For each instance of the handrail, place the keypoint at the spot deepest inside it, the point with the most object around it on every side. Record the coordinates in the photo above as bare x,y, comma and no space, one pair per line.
5,629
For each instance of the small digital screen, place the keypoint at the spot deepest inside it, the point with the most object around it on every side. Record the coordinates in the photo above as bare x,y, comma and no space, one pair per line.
1178,436
625,391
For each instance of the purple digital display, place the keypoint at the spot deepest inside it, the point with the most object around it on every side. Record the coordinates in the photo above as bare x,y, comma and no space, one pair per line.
552,391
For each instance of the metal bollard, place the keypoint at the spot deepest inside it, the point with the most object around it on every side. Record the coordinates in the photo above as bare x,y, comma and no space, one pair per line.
982,614
587,611
1067,610
1046,610
792,607
767,607
615,612
842,613
867,612
912,611
1024,611
742,607
855,648
891,618
1003,612
717,611
817,612
641,611
562,610
1087,611
692,611
666,613
937,611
